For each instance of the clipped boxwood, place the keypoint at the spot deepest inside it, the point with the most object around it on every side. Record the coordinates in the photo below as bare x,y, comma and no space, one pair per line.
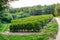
32,23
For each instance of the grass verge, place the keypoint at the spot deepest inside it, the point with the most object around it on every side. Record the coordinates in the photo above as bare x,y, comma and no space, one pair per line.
4,27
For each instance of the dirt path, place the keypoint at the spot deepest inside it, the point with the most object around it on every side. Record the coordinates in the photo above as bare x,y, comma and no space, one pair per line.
20,33
58,35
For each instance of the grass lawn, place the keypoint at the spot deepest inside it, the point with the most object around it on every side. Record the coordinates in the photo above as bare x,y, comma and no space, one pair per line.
4,27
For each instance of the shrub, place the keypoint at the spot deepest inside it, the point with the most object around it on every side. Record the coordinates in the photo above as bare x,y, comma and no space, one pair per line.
49,31
33,23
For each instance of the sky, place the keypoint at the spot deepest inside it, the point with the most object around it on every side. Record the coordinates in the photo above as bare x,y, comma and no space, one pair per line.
25,3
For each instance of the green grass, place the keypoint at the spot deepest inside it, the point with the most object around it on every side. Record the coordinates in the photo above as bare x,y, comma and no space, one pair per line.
24,37
3,37
4,27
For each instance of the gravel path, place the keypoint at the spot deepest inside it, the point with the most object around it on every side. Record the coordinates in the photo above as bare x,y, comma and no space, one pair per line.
58,35
19,33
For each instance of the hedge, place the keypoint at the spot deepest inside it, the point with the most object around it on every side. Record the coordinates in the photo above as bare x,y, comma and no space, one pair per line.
57,10
32,23
49,31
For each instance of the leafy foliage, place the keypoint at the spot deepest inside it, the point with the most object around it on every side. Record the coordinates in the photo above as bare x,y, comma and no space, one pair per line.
5,18
49,32
34,23
57,10
17,13
35,10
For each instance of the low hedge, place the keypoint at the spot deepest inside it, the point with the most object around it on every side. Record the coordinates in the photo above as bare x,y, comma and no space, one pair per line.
33,23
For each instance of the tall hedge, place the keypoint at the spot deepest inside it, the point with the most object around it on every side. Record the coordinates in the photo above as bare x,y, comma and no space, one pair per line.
57,10
32,23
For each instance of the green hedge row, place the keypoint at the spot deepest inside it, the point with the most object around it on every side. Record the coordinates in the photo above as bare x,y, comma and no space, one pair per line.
49,32
33,23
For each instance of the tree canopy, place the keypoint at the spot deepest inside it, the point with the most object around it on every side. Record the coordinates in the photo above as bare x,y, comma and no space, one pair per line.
3,4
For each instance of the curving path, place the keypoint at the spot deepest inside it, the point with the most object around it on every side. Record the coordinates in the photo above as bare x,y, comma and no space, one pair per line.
58,34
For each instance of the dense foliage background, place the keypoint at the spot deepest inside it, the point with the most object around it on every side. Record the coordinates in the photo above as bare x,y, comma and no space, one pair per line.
16,13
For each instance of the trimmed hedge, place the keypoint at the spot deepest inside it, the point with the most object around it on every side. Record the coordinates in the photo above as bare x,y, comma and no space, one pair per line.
33,23
57,10
49,32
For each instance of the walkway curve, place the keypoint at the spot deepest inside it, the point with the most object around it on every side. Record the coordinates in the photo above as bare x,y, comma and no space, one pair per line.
58,34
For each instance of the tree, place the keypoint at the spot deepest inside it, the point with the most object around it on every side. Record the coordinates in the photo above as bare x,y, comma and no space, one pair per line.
3,4
3,16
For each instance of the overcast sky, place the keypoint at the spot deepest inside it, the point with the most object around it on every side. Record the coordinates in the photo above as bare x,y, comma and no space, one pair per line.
24,3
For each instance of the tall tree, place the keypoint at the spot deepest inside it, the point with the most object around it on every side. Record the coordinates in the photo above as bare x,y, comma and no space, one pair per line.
3,16
3,4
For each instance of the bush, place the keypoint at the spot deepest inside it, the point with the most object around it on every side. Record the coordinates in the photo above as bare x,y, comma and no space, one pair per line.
33,23
49,31
52,29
